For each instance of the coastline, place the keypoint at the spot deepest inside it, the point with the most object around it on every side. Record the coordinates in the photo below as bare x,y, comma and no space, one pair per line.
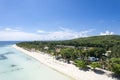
67,69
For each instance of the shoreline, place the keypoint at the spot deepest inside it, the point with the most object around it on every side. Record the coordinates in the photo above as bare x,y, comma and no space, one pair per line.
68,69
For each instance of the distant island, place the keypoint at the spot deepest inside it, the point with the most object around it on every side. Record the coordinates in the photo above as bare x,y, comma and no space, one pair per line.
95,53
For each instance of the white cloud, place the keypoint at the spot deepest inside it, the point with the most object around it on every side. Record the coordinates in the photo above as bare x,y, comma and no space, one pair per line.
10,29
65,29
40,31
62,34
7,29
107,33
17,35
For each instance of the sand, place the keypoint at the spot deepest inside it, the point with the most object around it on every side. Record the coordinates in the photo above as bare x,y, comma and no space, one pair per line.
67,69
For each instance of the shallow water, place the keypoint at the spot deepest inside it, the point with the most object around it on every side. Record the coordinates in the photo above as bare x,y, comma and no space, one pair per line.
15,65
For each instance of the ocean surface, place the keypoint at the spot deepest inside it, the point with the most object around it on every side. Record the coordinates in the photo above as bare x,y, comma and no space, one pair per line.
15,65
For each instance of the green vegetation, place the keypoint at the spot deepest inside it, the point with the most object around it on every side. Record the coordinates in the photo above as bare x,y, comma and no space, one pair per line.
95,65
68,54
81,64
104,49
115,65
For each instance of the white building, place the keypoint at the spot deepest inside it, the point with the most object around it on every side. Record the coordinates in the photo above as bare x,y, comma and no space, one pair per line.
46,48
93,59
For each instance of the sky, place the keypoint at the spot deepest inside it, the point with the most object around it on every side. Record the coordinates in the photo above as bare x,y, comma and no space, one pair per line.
58,19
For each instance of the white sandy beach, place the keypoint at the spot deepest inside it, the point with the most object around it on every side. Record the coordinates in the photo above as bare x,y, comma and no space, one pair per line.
67,69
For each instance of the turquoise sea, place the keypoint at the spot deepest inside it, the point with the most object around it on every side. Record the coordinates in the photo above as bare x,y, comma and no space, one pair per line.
15,65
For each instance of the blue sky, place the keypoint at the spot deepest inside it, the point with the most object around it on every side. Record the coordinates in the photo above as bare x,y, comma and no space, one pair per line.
58,19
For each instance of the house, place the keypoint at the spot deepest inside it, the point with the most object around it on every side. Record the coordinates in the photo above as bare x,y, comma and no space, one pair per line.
58,50
107,53
46,48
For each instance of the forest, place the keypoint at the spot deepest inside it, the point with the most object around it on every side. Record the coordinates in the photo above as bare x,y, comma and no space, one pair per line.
94,52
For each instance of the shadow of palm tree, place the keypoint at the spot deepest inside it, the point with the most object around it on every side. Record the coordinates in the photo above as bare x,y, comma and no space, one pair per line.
116,76
98,71
85,69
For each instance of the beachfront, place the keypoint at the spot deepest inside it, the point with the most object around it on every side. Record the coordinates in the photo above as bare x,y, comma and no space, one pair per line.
67,69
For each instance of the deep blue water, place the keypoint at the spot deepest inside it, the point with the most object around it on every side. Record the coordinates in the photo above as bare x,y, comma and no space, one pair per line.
5,43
